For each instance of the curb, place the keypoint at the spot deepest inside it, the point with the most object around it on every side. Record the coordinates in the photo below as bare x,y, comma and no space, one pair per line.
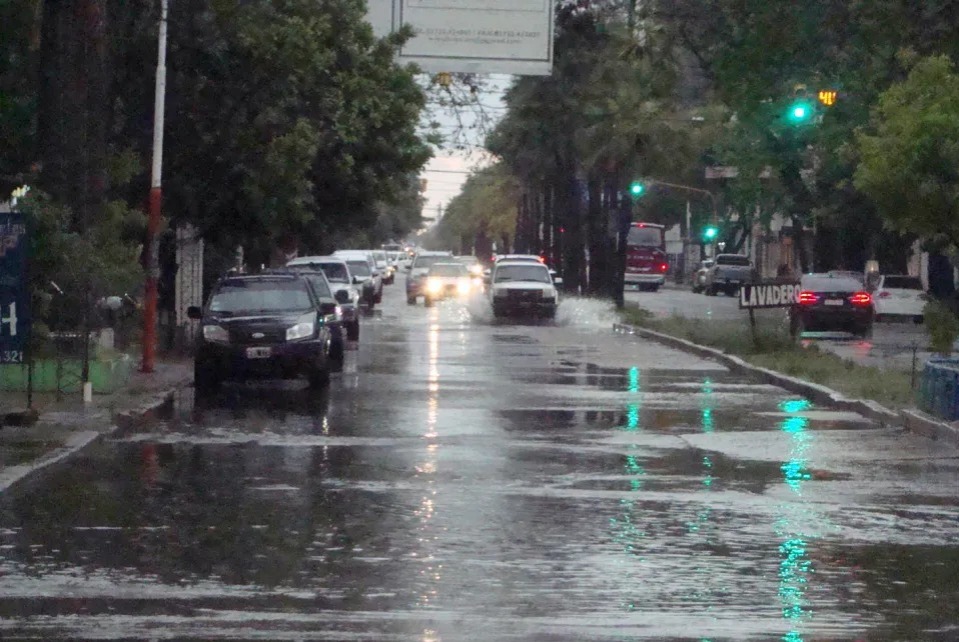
912,420
151,410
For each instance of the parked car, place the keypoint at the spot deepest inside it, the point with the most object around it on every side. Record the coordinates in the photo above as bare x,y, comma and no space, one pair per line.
364,272
831,303
262,326
899,295
699,276
344,291
416,279
728,273
446,280
523,288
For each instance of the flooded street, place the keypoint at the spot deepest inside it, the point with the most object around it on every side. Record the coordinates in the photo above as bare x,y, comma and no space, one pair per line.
465,480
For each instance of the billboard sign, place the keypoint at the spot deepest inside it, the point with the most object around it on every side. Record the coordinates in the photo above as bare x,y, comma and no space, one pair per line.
14,290
473,36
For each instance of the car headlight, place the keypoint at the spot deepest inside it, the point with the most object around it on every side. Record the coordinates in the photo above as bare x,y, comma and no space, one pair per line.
549,294
304,328
215,334
499,293
433,286
464,286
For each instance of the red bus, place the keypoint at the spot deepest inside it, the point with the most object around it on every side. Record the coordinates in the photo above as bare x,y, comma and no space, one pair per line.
646,263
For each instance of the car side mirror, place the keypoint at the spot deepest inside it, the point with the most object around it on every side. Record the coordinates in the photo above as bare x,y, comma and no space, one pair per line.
558,281
342,296
356,279
194,312
327,308
375,273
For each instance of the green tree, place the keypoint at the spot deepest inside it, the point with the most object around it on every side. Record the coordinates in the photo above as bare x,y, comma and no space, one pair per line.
289,122
909,159
484,209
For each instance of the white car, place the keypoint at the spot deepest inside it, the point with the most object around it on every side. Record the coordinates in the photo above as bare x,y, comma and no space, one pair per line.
364,271
899,295
523,288
382,261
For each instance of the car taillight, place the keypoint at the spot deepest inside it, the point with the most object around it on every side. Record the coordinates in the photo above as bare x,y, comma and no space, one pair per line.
807,298
663,267
542,259
860,298
885,295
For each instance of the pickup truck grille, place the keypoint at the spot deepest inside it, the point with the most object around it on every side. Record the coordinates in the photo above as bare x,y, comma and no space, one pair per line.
524,295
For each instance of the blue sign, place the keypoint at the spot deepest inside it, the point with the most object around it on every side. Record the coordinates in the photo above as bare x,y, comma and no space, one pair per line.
14,290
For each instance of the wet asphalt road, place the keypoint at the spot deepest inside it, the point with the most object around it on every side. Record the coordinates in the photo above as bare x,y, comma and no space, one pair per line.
464,480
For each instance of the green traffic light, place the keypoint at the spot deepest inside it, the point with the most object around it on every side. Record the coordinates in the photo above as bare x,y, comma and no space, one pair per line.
799,112
710,232
637,189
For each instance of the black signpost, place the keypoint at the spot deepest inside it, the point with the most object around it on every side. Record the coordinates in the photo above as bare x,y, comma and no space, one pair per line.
14,292
776,293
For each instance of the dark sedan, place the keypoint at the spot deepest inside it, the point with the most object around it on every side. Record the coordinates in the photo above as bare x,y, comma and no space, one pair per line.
268,326
828,302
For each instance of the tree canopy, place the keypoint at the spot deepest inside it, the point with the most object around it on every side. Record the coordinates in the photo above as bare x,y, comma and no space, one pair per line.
909,159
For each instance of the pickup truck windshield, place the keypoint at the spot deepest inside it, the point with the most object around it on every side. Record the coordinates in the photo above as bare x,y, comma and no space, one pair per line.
236,297
448,269
360,268
531,272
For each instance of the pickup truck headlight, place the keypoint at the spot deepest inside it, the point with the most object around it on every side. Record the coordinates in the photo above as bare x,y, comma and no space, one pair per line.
499,293
549,295
215,334
304,328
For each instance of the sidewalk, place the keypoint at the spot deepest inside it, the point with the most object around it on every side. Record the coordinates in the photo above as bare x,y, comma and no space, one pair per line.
65,427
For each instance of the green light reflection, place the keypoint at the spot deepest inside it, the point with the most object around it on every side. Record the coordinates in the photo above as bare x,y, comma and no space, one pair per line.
626,532
795,567
707,412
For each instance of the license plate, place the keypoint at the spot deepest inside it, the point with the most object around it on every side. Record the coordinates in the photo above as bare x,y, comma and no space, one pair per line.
258,353
836,302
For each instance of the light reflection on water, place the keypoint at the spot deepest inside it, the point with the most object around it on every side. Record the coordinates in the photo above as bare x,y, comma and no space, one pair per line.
795,566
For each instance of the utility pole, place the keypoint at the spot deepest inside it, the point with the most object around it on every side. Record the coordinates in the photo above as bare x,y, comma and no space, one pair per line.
156,200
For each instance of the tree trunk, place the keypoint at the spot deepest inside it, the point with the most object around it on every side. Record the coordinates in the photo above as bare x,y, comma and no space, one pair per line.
596,225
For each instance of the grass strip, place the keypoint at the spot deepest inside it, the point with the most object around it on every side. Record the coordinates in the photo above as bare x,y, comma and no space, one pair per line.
776,350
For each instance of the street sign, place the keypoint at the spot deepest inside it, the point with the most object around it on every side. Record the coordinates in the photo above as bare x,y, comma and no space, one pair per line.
14,290
768,294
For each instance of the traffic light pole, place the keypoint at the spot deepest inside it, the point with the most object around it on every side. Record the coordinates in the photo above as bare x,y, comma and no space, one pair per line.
688,188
